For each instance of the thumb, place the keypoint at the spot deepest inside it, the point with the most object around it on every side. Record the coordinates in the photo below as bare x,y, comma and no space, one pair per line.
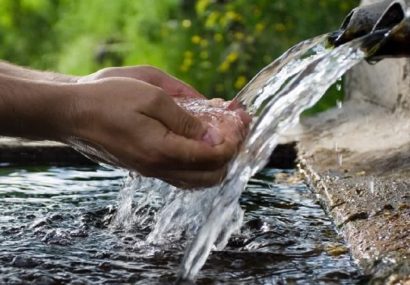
189,126
184,124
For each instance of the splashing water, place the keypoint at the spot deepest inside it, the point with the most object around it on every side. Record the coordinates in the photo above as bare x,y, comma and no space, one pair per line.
289,86
55,221
275,97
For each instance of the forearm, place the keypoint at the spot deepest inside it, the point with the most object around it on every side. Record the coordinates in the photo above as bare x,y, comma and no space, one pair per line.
34,109
12,70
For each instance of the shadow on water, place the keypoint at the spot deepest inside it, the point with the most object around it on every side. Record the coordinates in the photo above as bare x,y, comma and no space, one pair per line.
54,229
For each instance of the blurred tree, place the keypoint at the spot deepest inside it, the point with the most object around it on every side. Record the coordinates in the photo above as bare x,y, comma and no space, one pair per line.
27,36
216,45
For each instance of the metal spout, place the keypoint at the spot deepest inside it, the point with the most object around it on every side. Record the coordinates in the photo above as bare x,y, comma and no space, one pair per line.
396,42
364,20
387,22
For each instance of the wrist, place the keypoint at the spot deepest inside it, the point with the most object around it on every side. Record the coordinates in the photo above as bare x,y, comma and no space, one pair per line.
35,110
52,114
82,99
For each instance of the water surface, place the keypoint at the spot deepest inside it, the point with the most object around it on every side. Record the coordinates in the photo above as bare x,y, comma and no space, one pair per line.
55,229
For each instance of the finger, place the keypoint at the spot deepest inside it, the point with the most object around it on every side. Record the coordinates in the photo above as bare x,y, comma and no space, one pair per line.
235,104
196,155
167,150
154,76
175,87
245,117
240,109
179,121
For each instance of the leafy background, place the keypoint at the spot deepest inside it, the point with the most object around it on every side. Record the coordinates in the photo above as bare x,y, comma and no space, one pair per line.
215,45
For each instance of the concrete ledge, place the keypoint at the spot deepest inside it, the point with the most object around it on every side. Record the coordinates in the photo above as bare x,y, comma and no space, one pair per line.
357,159
24,152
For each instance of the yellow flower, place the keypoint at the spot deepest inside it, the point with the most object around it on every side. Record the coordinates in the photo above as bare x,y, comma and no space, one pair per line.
250,39
230,16
204,55
218,38
196,39
186,23
233,16
240,82
224,67
239,36
232,57
187,62
201,6
280,27
188,54
212,19
260,27
203,43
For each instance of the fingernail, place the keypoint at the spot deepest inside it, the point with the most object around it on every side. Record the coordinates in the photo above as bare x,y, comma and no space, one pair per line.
213,136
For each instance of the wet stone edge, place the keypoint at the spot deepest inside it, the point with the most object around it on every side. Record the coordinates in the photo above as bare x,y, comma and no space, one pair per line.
382,267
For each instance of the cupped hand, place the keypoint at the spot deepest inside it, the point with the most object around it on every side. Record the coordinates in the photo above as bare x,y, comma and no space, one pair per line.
149,74
138,126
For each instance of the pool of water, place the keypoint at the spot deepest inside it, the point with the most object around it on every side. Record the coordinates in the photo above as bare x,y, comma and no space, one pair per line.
55,229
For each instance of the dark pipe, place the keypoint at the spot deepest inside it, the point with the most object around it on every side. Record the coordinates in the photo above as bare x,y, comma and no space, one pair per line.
386,26
369,18
396,42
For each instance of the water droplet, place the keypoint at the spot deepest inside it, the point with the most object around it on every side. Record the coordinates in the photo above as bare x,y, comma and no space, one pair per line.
340,159
371,186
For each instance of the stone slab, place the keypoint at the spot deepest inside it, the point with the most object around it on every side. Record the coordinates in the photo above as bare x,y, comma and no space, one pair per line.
25,152
357,160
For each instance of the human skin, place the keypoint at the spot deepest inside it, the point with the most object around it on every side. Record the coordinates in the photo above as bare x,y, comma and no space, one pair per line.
127,114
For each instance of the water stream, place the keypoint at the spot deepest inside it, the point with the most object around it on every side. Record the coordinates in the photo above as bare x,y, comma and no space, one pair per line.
275,97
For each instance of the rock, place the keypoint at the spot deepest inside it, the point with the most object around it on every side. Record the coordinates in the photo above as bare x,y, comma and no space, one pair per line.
23,261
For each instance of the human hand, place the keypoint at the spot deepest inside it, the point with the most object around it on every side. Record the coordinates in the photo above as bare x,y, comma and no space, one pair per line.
139,127
232,122
154,76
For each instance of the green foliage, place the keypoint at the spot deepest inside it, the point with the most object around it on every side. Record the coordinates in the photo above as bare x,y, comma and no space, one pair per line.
216,45
228,42
79,37
105,33
26,36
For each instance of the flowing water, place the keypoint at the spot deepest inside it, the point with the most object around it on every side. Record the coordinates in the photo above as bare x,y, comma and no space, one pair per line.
56,228
145,235
275,97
